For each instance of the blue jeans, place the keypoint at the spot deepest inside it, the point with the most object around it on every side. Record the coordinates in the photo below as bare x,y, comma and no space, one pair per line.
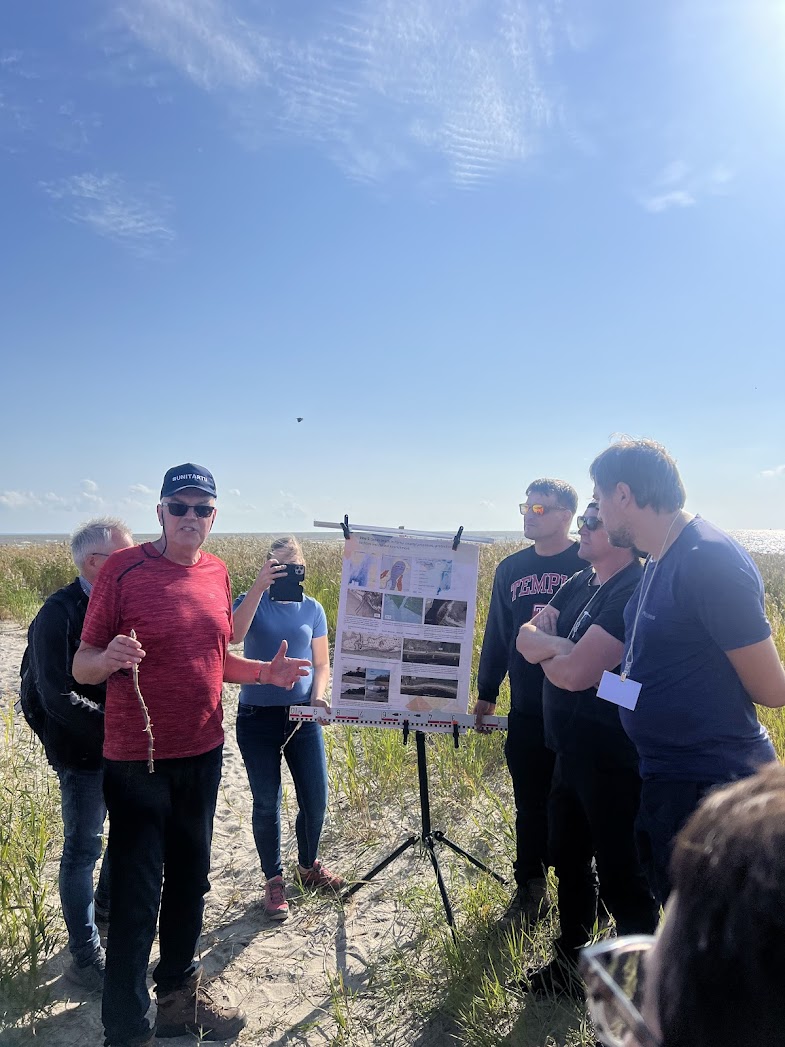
84,812
261,731
160,833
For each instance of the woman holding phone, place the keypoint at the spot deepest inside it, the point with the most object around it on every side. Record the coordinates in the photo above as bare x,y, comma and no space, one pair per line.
275,609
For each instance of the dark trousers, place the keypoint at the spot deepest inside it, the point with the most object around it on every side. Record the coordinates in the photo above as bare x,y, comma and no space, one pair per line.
531,769
665,807
160,832
592,813
261,731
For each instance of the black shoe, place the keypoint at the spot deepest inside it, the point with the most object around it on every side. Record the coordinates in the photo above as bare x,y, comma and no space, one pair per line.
557,978
528,905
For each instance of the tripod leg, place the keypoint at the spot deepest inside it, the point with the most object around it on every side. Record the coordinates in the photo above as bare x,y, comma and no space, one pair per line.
442,888
438,835
410,842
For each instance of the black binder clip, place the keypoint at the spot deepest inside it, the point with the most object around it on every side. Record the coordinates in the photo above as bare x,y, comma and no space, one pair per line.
345,527
405,731
457,539
455,734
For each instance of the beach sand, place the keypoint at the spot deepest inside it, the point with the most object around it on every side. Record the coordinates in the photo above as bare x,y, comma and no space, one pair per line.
281,974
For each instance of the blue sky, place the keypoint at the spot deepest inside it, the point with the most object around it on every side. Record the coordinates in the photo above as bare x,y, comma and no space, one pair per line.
466,242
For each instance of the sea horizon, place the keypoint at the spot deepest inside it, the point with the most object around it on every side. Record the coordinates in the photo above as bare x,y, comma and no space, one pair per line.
755,540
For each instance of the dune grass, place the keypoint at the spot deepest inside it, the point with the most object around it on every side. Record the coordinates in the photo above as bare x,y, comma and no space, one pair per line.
426,988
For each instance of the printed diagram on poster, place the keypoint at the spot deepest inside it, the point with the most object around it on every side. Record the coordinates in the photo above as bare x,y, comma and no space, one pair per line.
405,624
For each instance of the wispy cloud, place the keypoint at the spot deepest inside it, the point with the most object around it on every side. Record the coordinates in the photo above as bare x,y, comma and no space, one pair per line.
381,86
81,501
679,185
204,39
136,217
778,470
140,489
90,485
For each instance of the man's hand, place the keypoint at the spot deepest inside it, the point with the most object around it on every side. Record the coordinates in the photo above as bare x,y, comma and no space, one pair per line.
545,620
122,653
285,672
481,709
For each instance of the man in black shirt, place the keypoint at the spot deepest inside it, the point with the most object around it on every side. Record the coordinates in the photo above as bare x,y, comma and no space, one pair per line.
524,583
596,787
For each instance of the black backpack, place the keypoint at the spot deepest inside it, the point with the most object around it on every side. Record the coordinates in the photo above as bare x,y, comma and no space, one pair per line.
29,699
30,702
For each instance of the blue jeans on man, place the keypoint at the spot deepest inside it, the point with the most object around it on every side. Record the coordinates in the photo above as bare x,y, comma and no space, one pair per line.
261,732
84,813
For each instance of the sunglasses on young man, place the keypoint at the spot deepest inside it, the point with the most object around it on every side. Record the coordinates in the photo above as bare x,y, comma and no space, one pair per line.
180,509
591,523
538,510
613,971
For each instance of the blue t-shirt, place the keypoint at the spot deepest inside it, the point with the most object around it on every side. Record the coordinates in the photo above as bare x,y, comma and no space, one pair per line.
298,624
694,721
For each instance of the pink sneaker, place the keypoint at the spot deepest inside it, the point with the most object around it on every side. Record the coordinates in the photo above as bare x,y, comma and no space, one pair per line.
320,876
275,903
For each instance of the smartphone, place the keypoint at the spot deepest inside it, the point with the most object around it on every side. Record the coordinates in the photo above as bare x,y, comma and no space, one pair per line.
290,585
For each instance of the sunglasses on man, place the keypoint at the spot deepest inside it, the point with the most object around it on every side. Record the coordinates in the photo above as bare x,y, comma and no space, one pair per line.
591,523
180,509
539,510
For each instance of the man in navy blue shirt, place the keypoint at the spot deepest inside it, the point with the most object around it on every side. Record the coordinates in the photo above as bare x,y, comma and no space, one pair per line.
698,647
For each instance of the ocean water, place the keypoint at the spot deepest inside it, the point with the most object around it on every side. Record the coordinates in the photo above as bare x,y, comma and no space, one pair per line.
756,541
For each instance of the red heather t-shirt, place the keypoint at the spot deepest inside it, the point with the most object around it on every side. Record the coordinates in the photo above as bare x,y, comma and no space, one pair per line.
183,620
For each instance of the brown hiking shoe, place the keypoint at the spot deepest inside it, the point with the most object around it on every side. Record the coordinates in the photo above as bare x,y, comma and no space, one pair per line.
191,1009
529,904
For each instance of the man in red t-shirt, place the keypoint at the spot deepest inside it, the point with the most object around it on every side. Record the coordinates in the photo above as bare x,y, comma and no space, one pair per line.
161,786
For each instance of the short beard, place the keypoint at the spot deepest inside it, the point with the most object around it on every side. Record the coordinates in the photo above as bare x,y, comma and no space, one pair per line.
621,537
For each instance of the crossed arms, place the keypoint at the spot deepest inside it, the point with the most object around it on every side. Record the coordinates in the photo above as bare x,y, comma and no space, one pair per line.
571,666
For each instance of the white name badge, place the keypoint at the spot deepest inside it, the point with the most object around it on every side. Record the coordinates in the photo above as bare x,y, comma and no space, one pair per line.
621,692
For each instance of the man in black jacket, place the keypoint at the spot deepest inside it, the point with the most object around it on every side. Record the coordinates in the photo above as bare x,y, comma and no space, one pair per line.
525,583
71,718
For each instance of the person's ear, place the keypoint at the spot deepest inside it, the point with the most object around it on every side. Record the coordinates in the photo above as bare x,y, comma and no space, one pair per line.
160,514
624,495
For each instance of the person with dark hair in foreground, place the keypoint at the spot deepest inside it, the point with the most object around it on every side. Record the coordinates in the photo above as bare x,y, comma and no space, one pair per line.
159,624
524,583
713,975
698,647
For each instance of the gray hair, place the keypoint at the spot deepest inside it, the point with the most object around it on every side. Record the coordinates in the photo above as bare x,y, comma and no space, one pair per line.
95,536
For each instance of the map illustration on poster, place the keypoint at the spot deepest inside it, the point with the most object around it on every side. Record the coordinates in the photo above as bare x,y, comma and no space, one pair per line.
405,624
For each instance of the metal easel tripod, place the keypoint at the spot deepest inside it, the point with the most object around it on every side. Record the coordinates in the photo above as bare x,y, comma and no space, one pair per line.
427,837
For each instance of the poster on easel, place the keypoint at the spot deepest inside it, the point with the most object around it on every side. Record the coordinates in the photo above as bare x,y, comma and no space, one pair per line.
405,628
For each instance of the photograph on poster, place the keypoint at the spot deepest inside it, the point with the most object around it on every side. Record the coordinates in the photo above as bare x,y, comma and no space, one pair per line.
363,604
365,685
430,687
395,574
371,645
405,610
433,575
363,571
431,652
447,613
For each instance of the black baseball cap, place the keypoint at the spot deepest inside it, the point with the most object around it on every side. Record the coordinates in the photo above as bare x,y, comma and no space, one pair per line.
181,477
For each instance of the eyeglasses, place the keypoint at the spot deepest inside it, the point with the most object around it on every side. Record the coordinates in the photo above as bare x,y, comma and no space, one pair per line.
538,510
613,971
181,509
591,523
